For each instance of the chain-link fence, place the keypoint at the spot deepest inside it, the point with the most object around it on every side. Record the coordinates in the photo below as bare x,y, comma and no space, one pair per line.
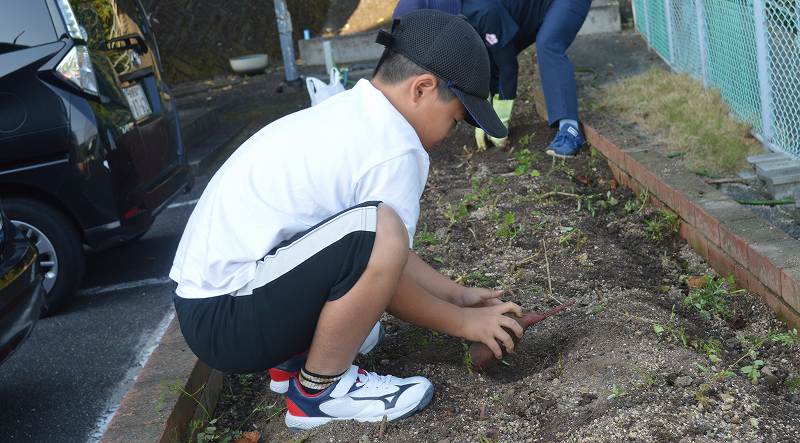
748,49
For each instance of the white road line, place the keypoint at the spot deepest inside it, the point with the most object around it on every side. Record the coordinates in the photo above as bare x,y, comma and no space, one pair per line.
186,203
126,285
147,344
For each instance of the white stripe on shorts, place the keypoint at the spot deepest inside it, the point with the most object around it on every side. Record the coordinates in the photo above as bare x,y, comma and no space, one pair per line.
286,258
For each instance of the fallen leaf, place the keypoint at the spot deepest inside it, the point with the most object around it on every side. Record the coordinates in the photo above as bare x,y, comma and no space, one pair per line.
612,184
249,437
696,281
582,179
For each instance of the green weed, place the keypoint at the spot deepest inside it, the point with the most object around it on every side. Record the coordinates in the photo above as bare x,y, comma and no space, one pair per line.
616,392
793,384
572,236
665,223
638,203
425,238
526,161
509,229
712,299
788,338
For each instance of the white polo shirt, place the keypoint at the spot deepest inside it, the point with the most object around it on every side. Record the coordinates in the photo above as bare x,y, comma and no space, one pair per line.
295,172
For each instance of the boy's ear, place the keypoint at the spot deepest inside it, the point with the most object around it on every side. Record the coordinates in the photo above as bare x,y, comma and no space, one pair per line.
424,85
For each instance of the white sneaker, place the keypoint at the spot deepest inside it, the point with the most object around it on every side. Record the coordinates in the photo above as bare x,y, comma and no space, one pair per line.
359,395
281,374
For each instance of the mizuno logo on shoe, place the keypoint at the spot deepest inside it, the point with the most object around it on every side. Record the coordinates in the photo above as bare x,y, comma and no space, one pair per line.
389,400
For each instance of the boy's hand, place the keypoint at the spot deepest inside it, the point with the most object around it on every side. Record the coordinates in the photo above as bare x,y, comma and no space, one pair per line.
478,297
486,325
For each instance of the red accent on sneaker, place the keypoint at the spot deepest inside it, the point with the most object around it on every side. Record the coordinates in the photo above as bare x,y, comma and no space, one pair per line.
280,375
293,409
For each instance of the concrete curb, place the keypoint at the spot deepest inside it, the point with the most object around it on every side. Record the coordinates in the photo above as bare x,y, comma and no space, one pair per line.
155,409
734,241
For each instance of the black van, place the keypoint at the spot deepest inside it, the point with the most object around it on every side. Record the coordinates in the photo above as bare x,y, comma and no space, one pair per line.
90,144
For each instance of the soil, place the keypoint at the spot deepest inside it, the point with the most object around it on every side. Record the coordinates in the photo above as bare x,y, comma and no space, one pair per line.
597,372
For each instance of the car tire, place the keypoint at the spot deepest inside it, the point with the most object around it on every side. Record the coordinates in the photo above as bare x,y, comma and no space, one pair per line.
59,244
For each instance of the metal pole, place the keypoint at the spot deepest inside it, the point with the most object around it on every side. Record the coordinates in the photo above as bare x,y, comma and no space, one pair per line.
699,6
647,22
762,59
285,34
668,18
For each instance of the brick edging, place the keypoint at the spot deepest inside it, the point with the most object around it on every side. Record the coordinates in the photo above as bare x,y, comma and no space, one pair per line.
762,258
155,409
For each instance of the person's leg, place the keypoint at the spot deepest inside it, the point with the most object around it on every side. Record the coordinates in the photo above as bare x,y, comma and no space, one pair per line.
329,387
561,24
345,322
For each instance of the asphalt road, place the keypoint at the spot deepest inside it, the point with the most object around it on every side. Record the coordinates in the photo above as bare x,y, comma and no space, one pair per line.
67,379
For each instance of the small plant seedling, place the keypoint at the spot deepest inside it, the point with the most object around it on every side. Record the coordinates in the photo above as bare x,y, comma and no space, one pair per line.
425,238
467,359
670,330
525,163
712,298
647,378
793,384
637,204
563,167
572,236
616,392
788,338
662,225
753,370
712,349
474,278
508,227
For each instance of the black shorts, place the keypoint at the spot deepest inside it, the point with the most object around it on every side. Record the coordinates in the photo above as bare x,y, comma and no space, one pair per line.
275,315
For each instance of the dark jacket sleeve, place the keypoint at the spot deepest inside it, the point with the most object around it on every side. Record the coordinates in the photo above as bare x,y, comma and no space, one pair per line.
498,29
505,61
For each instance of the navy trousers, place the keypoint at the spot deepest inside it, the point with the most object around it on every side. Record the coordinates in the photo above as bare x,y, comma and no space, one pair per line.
562,22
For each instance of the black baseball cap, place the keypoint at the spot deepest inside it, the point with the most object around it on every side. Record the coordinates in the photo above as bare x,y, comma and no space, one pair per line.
449,47
405,6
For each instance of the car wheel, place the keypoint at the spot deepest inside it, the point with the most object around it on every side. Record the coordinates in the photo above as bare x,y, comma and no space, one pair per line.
59,245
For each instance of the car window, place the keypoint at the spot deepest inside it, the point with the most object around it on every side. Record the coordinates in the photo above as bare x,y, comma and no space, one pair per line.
107,20
25,23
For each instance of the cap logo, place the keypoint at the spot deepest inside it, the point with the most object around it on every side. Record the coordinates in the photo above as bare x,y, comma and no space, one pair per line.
491,39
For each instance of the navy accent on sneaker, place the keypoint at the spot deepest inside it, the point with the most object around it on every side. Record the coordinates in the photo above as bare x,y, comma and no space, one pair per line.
567,142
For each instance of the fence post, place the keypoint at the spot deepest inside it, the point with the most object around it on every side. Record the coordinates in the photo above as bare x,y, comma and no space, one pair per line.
648,20
670,40
762,60
699,6
285,34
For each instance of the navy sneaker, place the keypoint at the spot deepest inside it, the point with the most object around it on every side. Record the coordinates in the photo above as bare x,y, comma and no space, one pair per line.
359,395
281,374
567,142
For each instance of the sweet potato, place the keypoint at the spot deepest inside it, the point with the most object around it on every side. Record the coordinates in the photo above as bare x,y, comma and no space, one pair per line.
483,357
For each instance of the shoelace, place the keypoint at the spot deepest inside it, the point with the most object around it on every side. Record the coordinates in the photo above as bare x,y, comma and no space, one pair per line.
371,380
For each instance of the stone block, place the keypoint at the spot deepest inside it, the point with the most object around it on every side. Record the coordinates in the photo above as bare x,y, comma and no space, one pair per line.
777,168
603,17
351,48
767,157
782,186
